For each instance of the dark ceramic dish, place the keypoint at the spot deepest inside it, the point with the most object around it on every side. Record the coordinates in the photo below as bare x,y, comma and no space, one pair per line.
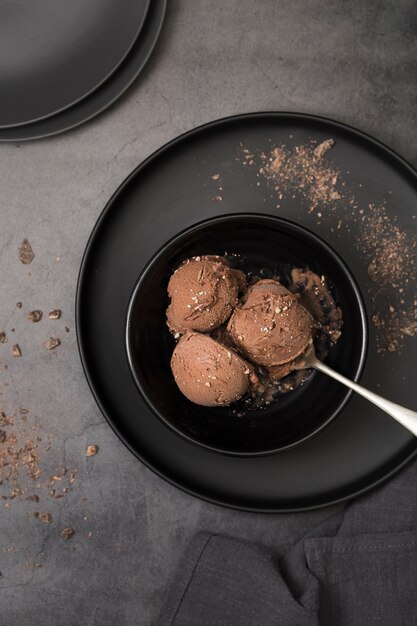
106,94
171,191
267,246
55,53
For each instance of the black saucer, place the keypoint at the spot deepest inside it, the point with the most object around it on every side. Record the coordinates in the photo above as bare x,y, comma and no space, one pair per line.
103,96
174,189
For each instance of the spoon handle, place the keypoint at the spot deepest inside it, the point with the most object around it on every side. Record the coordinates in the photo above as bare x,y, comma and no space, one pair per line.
406,417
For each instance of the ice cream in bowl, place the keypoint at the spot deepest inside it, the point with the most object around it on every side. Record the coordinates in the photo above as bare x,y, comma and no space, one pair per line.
219,320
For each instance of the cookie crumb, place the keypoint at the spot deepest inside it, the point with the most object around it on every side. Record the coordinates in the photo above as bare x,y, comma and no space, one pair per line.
3,337
55,314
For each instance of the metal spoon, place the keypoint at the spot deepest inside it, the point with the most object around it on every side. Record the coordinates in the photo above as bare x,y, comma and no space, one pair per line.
406,417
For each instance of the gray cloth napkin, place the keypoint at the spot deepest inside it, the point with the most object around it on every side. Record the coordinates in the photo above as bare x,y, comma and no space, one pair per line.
357,568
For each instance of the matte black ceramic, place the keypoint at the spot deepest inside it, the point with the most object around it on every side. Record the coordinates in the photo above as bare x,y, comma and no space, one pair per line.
267,247
103,96
53,53
172,190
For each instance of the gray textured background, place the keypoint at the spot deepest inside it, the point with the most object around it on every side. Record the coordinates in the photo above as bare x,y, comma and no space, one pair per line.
354,61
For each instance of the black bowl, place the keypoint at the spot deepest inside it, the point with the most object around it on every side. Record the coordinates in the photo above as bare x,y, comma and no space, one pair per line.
265,246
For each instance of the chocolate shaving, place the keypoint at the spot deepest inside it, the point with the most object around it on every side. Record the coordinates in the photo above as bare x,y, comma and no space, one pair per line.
26,254
53,342
323,147
34,316
55,314
33,498
67,533
91,450
46,518
4,420
16,351
410,330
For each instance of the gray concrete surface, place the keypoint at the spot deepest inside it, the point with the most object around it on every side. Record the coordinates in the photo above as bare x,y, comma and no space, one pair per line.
354,61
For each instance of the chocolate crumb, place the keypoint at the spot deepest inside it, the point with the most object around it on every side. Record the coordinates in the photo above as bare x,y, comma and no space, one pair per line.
16,351
67,329
4,420
53,342
91,450
34,316
387,249
19,305
3,337
298,170
67,533
410,330
26,254
55,314
323,147
46,518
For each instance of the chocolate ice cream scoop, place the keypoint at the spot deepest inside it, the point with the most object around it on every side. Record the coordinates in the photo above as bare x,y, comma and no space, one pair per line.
203,291
271,327
208,373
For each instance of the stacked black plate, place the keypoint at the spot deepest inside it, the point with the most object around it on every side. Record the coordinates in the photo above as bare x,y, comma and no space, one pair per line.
172,191
62,63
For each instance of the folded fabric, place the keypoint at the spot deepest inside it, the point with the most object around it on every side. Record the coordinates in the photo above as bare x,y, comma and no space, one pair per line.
224,581
357,568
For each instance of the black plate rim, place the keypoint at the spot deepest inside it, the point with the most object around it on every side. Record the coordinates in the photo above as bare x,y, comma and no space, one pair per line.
94,87
63,128
297,228
190,133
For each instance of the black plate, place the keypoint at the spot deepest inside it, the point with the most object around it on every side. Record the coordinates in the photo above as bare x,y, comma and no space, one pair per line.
265,246
53,53
174,189
106,94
